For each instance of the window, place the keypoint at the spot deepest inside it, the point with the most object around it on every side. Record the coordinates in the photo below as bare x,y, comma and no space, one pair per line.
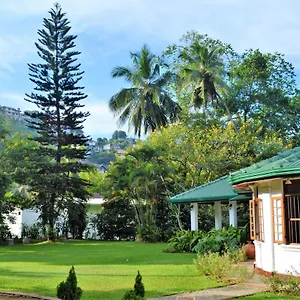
256,219
278,220
292,211
293,218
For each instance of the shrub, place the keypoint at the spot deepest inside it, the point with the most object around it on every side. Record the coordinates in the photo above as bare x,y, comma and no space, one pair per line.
184,241
219,241
285,284
4,233
130,295
220,268
148,233
69,290
139,290
238,255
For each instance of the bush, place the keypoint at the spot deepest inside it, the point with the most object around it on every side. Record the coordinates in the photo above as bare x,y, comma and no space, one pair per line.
219,241
110,227
221,268
4,233
284,284
130,295
35,231
148,233
69,290
184,241
139,290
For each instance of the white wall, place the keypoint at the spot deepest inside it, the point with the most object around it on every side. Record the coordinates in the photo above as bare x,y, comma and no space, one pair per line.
15,226
269,256
29,216
287,259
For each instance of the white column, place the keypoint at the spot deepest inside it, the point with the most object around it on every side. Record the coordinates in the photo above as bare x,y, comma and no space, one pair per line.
218,215
194,216
232,214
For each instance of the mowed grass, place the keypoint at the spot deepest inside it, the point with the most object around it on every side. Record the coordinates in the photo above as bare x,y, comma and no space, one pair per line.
262,296
105,270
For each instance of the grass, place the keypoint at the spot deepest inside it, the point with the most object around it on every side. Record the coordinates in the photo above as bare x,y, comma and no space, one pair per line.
105,270
262,296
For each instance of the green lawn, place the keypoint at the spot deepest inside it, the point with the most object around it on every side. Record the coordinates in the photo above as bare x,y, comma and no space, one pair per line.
105,270
263,296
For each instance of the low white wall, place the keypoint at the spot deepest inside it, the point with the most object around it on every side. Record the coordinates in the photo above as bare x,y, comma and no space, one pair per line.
287,259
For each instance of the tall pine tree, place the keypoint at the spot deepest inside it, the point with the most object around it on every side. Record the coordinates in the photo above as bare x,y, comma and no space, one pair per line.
58,120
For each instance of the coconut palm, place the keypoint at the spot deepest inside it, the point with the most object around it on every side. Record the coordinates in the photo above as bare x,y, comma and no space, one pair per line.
146,104
203,70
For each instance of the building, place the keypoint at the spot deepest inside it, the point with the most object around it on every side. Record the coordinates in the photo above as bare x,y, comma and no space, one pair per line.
272,188
31,216
274,210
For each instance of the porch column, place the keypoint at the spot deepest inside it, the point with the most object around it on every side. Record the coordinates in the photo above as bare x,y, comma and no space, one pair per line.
194,216
218,215
232,214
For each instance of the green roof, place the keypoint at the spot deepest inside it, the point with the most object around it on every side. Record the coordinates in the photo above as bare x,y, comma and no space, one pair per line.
217,190
281,165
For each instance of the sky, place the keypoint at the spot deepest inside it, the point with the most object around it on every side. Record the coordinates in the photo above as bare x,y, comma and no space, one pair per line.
108,30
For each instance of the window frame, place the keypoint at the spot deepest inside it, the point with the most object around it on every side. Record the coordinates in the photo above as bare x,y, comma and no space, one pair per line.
257,230
275,217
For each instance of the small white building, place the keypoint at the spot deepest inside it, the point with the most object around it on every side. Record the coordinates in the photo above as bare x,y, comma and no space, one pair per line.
274,210
31,216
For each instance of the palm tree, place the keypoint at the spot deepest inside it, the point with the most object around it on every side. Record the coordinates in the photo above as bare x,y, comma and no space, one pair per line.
204,70
146,104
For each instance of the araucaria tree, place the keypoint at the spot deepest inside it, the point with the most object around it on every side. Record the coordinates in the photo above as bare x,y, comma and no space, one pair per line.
58,120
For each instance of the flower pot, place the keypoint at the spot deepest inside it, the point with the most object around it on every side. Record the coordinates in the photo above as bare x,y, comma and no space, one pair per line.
250,250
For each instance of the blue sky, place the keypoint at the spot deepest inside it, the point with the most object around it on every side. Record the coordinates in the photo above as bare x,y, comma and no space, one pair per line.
108,30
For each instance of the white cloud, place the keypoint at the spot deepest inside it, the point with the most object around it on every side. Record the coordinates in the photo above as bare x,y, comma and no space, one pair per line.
101,122
15,100
270,25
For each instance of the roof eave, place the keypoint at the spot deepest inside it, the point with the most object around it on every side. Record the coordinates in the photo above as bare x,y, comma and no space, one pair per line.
263,175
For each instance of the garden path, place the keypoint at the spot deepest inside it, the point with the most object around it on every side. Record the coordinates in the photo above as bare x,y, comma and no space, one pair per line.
253,286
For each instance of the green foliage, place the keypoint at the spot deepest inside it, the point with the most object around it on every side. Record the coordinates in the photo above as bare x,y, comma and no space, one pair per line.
119,134
184,241
146,105
116,221
4,233
35,231
221,268
68,290
77,219
61,143
285,284
131,295
102,158
141,178
139,288
148,233
218,241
